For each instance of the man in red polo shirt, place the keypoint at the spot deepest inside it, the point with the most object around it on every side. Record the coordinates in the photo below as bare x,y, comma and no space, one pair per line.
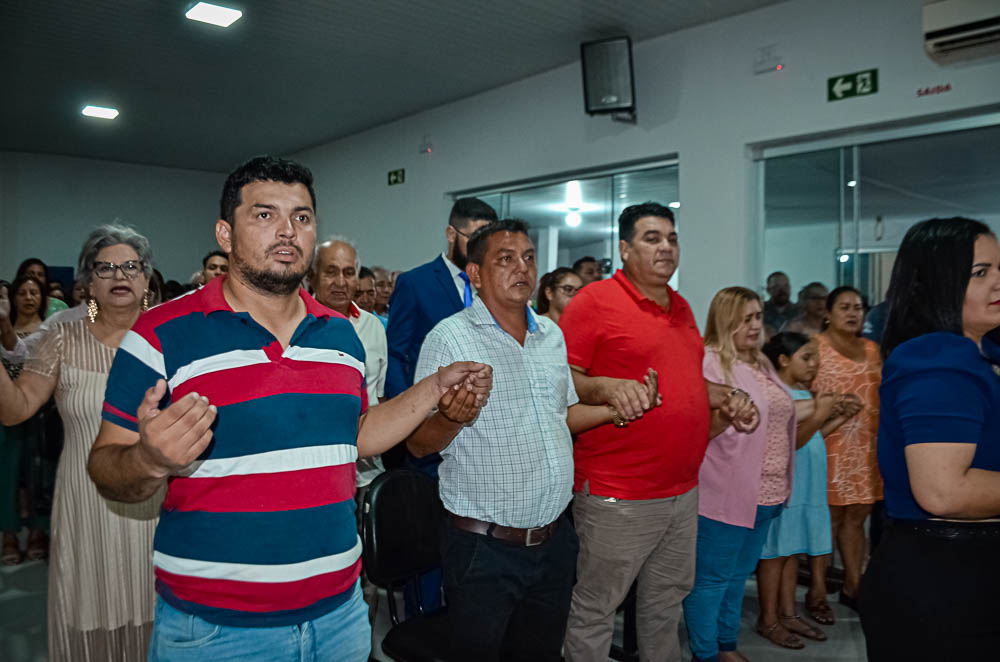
635,498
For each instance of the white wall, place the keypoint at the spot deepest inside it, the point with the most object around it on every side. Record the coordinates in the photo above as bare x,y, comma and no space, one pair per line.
697,98
48,204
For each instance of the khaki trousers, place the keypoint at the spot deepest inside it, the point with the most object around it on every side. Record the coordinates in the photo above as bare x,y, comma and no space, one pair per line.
620,541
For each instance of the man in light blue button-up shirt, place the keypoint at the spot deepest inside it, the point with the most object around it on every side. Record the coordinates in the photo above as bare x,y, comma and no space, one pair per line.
508,554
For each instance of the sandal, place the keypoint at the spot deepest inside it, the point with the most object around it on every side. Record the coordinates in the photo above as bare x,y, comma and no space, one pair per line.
11,552
807,631
771,634
821,612
38,546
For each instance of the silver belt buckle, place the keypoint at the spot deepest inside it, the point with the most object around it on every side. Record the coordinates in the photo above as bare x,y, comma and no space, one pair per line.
528,542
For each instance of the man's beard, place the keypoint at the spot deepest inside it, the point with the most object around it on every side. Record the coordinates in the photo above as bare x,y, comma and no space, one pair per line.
459,257
267,282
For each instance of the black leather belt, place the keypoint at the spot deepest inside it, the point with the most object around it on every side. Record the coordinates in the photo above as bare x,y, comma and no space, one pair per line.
949,530
523,537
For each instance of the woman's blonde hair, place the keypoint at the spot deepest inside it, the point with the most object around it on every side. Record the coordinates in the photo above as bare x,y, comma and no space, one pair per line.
725,316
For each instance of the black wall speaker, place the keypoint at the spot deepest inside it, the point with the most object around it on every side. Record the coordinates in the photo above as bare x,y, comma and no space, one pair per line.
608,84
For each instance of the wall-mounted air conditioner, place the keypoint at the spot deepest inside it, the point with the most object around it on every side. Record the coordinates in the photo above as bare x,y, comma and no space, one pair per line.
961,29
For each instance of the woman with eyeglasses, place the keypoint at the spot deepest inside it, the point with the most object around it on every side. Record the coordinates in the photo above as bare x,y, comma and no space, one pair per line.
555,289
101,594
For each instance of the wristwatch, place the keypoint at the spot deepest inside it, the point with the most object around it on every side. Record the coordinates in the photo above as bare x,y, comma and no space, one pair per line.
617,419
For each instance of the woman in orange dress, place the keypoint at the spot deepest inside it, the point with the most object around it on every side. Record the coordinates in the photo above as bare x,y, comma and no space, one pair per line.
850,364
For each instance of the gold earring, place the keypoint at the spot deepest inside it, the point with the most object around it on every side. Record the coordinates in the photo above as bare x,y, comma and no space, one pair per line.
145,300
92,309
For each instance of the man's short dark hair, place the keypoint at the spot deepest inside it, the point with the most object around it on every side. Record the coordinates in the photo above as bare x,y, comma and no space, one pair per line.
775,275
262,169
470,209
215,253
365,272
629,216
578,265
480,239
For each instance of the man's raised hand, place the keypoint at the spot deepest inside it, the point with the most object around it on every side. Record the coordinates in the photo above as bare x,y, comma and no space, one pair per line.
173,438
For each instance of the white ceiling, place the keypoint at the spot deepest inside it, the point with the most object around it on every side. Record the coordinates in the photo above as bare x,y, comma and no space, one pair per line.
286,76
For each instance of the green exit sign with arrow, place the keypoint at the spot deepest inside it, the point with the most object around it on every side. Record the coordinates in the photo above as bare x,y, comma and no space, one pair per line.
397,176
858,84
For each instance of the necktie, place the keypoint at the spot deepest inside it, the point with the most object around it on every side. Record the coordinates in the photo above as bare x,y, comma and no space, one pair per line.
467,294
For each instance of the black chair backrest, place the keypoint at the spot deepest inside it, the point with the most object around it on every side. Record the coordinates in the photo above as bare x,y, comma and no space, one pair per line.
401,527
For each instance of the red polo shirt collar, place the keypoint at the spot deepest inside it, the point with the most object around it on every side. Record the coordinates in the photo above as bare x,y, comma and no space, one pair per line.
677,303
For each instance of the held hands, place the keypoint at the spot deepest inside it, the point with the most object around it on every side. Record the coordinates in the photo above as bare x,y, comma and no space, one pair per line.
826,405
464,389
740,411
173,438
631,398
4,304
847,405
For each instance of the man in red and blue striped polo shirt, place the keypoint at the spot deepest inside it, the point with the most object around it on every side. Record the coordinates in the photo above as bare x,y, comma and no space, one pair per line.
254,414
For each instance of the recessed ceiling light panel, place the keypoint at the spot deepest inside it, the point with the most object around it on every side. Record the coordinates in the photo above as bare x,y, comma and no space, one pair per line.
214,14
674,205
100,111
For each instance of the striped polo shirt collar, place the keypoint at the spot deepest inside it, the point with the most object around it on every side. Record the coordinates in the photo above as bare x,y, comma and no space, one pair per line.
214,299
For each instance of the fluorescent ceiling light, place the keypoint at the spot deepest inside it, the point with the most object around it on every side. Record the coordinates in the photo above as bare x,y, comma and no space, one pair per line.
214,14
574,196
99,111
574,203
674,205
573,219
852,183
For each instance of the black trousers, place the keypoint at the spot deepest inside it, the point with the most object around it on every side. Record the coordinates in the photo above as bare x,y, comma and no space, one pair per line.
507,602
927,598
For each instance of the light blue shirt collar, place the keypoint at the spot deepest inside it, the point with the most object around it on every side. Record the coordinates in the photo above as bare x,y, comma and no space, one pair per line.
481,315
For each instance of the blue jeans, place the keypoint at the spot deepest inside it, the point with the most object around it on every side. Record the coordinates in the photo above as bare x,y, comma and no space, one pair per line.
726,555
343,635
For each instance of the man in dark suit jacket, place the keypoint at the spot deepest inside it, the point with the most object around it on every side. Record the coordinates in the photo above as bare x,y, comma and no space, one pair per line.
423,297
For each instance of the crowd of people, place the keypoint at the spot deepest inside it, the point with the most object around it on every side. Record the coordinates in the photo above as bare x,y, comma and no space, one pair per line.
219,437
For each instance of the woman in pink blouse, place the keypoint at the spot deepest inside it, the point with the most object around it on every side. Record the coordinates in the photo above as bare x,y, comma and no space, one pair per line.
744,480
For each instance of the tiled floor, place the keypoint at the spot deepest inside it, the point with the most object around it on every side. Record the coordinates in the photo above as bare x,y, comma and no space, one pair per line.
22,612
22,624
845,644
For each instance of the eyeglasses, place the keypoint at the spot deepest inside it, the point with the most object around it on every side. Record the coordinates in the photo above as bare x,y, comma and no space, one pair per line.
464,234
129,269
568,290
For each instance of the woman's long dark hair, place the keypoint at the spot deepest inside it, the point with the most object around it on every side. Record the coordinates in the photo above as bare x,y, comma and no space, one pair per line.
929,279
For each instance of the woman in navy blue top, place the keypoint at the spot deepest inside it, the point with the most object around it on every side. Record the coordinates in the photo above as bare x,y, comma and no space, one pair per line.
930,589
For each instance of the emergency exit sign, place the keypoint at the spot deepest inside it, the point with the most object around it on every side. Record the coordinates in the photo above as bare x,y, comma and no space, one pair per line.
397,176
858,84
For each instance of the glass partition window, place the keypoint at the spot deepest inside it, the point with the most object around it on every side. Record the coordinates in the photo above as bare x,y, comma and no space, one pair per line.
837,216
575,218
